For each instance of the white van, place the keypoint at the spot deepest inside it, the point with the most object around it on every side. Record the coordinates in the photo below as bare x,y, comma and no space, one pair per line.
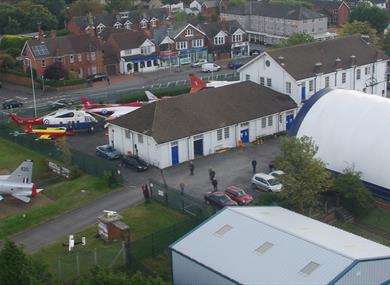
210,67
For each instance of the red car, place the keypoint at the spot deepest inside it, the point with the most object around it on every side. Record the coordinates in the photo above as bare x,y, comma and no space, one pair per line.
239,195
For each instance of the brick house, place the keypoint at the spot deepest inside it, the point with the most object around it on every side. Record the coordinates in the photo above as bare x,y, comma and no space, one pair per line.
81,54
145,19
226,39
210,8
337,12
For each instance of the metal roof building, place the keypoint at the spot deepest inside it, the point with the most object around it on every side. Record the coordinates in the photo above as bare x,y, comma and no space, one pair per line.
272,245
349,127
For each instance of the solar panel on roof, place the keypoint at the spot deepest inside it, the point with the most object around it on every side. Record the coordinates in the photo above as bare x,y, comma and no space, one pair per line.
40,50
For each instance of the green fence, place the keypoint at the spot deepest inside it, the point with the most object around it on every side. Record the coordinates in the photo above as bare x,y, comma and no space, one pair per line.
130,255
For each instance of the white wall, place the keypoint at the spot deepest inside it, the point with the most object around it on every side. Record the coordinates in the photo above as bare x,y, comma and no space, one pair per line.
187,272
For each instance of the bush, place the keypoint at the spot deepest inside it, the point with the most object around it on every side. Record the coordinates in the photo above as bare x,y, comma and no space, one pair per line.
75,172
56,71
109,179
267,199
16,42
7,61
15,72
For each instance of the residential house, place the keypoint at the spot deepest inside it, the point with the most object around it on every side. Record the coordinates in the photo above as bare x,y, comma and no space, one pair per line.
378,3
273,245
131,52
81,54
207,8
146,19
336,11
226,39
268,23
300,71
172,131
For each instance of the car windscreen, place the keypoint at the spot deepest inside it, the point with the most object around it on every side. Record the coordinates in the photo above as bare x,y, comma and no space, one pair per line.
240,193
223,199
273,182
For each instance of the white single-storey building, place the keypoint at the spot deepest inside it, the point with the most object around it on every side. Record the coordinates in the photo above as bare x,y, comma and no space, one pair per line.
350,130
175,130
272,245
300,71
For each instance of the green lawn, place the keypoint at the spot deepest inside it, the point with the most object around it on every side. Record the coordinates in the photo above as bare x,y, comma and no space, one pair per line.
378,218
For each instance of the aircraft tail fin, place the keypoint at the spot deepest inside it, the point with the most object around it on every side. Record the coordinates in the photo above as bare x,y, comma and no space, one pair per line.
151,96
21,121
15,118
197,84
87,104
22,174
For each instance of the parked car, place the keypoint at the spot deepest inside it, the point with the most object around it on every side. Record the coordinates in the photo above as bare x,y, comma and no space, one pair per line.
219,199
276,173
12,103
199,63
210,67
255,52
235,64
108,152
238,195
266,182
135,162
61,103
98,77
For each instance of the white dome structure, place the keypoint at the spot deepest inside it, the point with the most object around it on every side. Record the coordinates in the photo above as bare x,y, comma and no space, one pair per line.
350,129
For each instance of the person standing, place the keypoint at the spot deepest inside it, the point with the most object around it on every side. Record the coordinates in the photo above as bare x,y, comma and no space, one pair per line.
182,188
211,174
254,164
192,167
214,182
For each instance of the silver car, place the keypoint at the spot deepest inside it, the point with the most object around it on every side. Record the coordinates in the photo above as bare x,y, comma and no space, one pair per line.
266,182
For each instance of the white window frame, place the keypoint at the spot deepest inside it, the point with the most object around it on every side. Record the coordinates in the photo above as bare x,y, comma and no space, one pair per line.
144,24
263,122
117,25
219,134
189,32
79,57
247,77
218,41
358,74
288,87
153,23
367,70
343,77
311,85
146,50
269,82
262,81
237,38
181,45
71,58
197,43
94,69
226,132
327,81
93,56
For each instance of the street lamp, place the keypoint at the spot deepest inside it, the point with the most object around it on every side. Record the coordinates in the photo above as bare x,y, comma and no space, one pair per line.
20,58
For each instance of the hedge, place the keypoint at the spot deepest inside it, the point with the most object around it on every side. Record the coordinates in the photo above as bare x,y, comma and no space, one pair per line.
15,72
59,83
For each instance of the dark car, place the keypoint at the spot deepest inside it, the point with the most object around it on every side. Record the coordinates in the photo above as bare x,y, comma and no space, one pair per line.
107,151
61,103
239,195
135,162
255,52
218,199
98,77
12,103
234,64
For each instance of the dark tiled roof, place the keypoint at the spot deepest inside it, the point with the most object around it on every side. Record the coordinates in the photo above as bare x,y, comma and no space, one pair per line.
210,109
323,4
129,39
211,3
107,32
71,44
299,61
213,28
274,11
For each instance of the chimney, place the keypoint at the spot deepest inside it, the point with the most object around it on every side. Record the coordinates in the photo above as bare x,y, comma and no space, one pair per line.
40,33
317,67
53,34
353,60
338,63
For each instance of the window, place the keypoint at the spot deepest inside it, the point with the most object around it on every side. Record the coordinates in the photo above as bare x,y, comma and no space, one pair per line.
358,73
154,22
270,121
100,28
288,87
66,115
117,25
71,58
149,63
226,132
247,77
219,40
79,57
311,85
197,43
140,138
181,45
280,119
367,70
263,122
127,52
144,24
145,50
94,70
237,38
43,63
88,56
343,77
189,32
219,134
93,56
127,134
262,81
128,25
269,82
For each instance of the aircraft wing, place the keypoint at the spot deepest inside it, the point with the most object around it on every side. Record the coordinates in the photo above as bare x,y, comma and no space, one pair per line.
45,137
120,111
22,198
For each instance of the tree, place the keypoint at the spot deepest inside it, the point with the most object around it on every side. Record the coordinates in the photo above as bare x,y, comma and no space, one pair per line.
83,7
55,7
56,71
18,268
296,39
40,15
7,61
377,17
9,13
354,195
305,177
119,5
363,28
386,44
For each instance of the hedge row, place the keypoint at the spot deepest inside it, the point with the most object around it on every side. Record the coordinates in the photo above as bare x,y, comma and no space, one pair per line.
15,72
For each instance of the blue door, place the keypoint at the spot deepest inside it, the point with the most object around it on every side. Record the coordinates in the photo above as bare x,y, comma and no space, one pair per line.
245,136
175,154
198,147
303,93
289,120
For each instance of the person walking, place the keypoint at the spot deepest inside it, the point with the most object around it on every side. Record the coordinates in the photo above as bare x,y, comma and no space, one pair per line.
192,167
254,164
108,81
211,174
214,182
182,188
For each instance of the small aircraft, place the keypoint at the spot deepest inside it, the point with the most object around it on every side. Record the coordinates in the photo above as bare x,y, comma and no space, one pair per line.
64,118
153,98
110,111
18,184
198,84
48,133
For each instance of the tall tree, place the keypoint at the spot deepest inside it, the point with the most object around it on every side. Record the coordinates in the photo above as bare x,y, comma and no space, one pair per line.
377,17
119,5
363,28
305,177
40,15
386,44
83,7
55,7
9,14
296,39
